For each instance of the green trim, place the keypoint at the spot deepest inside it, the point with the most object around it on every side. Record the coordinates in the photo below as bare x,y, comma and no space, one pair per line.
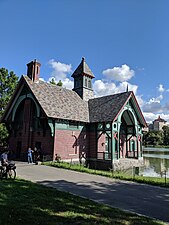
20,99
52,127
64,125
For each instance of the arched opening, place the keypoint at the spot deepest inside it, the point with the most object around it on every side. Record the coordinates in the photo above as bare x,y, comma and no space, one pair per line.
127,136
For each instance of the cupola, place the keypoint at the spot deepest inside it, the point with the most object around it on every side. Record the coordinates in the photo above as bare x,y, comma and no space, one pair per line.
83,81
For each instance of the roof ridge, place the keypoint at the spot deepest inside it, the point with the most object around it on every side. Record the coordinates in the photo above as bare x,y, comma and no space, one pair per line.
129,92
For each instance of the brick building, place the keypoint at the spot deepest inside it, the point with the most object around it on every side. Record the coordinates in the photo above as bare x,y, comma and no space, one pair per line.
73,124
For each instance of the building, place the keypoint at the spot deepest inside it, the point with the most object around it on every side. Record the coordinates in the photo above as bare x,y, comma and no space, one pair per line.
72,124
157,124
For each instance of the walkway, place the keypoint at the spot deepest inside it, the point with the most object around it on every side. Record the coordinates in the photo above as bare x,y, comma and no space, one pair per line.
139,198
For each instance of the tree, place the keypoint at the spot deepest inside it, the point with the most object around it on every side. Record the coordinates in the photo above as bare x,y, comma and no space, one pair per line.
60,84
8,82
52,81
166,135
154,138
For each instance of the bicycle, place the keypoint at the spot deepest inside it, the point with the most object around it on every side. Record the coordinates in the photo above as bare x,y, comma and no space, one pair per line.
8,171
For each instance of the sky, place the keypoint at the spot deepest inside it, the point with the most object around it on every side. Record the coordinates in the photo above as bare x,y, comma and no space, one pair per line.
124,42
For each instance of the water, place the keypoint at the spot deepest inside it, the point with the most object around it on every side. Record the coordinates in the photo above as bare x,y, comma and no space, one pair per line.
156,162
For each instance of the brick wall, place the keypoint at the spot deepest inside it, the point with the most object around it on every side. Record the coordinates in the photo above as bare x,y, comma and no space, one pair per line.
71,144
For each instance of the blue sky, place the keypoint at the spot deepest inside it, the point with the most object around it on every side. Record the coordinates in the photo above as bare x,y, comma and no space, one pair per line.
123,42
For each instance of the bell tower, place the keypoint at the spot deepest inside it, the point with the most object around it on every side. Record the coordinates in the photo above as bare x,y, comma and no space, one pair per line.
83,81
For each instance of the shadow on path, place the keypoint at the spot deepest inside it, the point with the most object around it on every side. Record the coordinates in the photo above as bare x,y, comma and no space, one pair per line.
128,196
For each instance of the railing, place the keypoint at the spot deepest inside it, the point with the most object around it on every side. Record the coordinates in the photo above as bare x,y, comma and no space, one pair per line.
104,155
132,154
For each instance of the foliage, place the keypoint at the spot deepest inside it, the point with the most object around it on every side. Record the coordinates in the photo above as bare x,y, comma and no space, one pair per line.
166,135
60,84
52,81
3,135
8,82
153,138
24,203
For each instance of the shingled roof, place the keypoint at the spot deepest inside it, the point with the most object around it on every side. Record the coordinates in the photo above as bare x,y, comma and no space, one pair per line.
58,102
106,108
83,68
61,103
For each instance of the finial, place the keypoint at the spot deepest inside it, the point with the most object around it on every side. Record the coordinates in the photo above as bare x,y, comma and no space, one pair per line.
127,89
83,58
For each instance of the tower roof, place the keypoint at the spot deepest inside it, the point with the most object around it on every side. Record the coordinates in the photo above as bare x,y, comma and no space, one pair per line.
82,69
159,119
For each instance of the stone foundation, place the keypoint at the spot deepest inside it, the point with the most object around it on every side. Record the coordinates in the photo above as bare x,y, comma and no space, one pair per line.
124,164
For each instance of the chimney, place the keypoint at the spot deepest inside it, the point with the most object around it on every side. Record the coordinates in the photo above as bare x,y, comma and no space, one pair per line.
33,70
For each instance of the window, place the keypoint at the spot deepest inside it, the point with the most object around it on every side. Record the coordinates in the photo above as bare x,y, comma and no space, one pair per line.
89,84
86,82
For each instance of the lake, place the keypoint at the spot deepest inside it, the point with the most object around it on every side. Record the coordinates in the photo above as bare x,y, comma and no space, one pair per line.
156,162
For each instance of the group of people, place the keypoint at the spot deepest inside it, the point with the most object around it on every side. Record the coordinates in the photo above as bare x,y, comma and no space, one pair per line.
34,155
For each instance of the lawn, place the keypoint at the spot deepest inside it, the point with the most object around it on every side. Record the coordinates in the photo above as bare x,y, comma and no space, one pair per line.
157,181
27,203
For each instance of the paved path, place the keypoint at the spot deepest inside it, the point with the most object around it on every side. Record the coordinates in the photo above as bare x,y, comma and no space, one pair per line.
139,198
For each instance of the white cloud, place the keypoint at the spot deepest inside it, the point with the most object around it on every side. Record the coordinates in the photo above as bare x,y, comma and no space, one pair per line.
123,73
42,79
160,88
67,83
153,105
102,88
150,117
158,99
60,70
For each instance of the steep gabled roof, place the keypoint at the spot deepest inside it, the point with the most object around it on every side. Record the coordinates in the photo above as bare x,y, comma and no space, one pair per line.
83,68
58,102
107,108
159,119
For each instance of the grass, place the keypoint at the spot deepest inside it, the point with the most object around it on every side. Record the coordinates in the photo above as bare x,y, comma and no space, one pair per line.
24,203
162,182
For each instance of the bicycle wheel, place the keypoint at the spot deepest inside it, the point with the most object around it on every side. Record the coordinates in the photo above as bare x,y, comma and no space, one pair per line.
12,174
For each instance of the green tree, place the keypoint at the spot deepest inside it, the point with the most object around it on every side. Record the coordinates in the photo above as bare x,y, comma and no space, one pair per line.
8,82
166,135
60,84
52,81
154,138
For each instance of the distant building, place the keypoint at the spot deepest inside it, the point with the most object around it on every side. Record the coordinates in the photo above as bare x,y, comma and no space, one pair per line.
157,124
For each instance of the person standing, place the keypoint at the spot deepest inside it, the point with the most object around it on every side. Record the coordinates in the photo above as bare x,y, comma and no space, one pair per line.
4,158
30,158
